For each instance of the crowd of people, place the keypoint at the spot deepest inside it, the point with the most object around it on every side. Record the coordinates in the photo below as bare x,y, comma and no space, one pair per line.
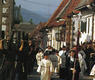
69,64
17,60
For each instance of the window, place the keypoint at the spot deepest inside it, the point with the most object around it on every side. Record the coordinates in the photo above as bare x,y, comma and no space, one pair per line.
4,27
58,36
88,24
83,26
4,1
63,33
4,20
5,10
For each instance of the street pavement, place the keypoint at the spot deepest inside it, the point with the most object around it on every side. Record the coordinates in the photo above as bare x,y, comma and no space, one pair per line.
88,78
35,76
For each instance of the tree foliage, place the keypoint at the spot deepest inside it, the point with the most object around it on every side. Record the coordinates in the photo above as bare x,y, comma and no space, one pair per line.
31,21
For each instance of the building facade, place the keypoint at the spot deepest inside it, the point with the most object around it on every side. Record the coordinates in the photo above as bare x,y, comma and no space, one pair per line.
6,17
56,37
85,21
60,22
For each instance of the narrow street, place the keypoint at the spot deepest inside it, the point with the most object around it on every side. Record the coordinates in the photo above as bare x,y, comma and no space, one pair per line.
87,78
56,35
36,76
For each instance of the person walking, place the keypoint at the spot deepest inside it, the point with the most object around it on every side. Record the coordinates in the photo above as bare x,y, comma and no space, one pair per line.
39,57
63,68
22,62
45,68
59,61
73,66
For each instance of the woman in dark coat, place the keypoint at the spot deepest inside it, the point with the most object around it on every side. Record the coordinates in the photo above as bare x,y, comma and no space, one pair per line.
73,66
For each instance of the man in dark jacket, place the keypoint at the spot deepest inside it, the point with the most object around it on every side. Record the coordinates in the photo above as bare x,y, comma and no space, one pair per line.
8,69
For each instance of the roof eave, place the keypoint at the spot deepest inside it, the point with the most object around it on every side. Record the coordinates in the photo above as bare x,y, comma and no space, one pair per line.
81,7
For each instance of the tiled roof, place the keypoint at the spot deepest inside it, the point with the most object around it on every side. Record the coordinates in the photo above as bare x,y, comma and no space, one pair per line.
64,15
25,27
84,2
52,22
71,8
55,24
53,17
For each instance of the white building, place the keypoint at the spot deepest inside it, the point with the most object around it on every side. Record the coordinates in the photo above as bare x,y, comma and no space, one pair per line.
85,20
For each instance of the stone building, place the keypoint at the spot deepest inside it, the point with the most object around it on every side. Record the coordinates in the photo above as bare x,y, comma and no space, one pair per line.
6,17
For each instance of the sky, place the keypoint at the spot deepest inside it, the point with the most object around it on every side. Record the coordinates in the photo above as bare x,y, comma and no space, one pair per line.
46,7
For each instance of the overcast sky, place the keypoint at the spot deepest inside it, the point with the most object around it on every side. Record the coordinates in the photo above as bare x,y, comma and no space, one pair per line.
39,6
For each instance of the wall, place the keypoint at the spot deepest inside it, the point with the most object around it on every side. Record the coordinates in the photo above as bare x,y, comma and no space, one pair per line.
94,28
52,40
88,19
6,16
0,14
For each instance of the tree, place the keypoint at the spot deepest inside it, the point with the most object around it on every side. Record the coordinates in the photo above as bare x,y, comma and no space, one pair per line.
21,18
31,21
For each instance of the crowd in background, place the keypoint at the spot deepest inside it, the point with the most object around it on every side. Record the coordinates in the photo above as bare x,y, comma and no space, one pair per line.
69,64
17,60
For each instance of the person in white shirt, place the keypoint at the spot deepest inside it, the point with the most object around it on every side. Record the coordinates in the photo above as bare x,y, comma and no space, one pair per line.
62,51
49,48
59,61
39,57
45,68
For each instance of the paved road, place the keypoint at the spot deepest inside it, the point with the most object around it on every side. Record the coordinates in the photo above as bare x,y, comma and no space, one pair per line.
88,78
36,76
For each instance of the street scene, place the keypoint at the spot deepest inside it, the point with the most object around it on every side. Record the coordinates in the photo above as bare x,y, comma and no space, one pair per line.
47,39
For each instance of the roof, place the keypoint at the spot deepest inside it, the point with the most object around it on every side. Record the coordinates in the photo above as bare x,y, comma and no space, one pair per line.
64,11
57,11
26,27
83,3
71,8
55,23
